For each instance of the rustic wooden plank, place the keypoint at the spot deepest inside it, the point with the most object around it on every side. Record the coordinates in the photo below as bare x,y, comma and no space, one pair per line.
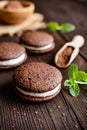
63,112
66,114
49,115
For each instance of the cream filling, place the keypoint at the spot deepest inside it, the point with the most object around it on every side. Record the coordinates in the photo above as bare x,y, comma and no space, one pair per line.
13,61
38,48
44,94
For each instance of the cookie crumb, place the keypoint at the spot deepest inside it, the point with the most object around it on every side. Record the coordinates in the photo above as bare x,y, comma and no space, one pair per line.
18,112
24,114
50,110
14,108
63,114
76,126
39,119
42,121
13,126
36,112
58,107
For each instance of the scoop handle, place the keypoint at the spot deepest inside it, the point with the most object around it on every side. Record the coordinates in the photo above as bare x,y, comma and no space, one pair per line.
77,41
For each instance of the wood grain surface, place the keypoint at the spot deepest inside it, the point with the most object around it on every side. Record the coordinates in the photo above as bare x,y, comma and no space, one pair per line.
63,112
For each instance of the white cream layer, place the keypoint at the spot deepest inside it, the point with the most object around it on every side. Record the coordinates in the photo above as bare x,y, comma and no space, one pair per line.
13,61
44,94
38,48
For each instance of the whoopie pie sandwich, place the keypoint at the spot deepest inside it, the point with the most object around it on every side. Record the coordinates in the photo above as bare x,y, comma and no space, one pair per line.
37,41
37,81
11,55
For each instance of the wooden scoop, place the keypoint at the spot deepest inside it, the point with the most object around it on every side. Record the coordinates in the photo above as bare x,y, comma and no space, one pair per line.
69,51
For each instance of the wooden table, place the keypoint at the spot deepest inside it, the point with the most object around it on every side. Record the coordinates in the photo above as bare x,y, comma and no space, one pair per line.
63,112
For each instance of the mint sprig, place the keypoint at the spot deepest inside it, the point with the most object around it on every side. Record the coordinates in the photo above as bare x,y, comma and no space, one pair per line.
75,77
54,26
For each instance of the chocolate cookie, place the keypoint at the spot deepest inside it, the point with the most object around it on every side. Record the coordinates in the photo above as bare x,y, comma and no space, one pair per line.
37,41
11,55
37,81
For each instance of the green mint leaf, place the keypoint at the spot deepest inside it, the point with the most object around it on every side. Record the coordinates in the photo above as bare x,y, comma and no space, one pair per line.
67,83
53,26
74,90
80,82
67,27
73,72
75,77
82,76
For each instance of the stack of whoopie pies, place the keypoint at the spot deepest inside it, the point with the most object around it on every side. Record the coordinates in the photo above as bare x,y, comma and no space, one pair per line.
34,81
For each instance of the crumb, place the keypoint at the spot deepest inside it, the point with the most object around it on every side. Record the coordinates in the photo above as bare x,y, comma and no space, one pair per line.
18,112
39,119
76,126
58,107
13,126
63,114
36,112
25,118
15,115
14,108
50,110
24,114
42,121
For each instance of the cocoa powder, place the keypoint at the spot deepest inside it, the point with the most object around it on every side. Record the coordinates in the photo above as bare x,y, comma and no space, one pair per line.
13,5
64,57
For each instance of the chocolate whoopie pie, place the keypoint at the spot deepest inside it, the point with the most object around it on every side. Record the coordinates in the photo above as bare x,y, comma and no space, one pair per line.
37,81
11,55
37,41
